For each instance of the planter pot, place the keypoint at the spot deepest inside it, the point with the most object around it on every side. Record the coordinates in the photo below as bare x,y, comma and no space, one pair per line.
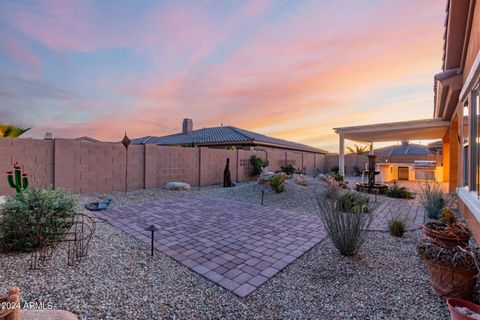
451,281
457,315
445,240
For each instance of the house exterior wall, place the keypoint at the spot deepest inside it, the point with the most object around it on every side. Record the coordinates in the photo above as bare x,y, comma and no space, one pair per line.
461,164
86,166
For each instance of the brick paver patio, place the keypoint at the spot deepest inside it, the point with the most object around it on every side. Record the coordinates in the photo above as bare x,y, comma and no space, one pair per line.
411,210
234,244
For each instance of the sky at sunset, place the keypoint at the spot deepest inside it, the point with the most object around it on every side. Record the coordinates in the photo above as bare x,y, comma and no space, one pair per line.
289,69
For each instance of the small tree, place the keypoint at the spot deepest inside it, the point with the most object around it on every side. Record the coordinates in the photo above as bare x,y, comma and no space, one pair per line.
359,150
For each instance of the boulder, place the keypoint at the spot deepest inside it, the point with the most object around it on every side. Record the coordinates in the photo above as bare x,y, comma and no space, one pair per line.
325,178
300,179
265,176
3,199
177,186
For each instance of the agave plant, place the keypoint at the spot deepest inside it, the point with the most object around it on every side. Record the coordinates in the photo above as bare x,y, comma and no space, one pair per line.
11,131
358,150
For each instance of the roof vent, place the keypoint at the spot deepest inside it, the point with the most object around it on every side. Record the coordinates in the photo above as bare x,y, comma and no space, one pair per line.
187,126
48,136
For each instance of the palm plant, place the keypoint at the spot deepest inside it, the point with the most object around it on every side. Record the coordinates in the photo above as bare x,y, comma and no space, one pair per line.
358,150
11,131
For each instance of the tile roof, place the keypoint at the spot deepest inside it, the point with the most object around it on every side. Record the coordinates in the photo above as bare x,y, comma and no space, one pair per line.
225,134
409,149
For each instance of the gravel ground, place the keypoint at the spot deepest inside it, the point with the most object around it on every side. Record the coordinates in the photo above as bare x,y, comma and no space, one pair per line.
119,280
297,198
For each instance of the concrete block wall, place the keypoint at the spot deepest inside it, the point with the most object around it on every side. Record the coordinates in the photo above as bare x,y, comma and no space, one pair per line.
213,163
34,156
244,166
84,166
166,164
276,159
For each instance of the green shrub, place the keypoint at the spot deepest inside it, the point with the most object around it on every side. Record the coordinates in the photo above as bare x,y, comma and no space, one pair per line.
277,183
258,164
289,169
36,218
434,200
346,225
396,227
397,191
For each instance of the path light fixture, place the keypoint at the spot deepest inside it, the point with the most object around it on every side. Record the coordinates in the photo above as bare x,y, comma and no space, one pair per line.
126,142
152,229
263,195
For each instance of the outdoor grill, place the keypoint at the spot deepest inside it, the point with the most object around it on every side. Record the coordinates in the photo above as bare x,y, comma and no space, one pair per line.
424,169
424,165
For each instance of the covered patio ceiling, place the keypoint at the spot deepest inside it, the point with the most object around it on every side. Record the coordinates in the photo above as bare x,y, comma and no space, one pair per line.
426,129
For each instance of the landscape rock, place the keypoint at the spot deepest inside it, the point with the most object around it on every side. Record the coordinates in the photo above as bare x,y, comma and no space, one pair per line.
177,186
300,179
265,176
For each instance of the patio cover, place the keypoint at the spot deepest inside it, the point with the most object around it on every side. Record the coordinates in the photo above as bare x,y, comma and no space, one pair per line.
427,129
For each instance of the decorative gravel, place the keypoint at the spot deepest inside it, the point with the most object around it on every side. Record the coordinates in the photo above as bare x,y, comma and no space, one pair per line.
297,198
119,279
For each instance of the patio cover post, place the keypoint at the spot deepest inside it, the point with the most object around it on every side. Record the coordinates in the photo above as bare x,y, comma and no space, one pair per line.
341,155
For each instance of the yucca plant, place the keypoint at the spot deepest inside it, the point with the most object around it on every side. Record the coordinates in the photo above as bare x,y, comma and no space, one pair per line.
11,131
346,225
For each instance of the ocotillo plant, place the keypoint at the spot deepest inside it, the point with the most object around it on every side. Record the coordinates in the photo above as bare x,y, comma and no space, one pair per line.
21,179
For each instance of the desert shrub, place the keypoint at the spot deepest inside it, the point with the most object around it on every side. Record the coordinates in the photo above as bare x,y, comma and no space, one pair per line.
352,201
35,218
397,191
277,183
289,169
434,200
257,164
346,225
396,227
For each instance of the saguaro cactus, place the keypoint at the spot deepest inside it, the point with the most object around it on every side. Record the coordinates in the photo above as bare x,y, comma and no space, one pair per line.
17,180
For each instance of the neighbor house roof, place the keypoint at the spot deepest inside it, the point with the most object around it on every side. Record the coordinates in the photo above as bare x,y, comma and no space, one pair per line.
404,149
223,135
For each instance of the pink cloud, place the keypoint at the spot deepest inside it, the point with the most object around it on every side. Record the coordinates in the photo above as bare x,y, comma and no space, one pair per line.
20,52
